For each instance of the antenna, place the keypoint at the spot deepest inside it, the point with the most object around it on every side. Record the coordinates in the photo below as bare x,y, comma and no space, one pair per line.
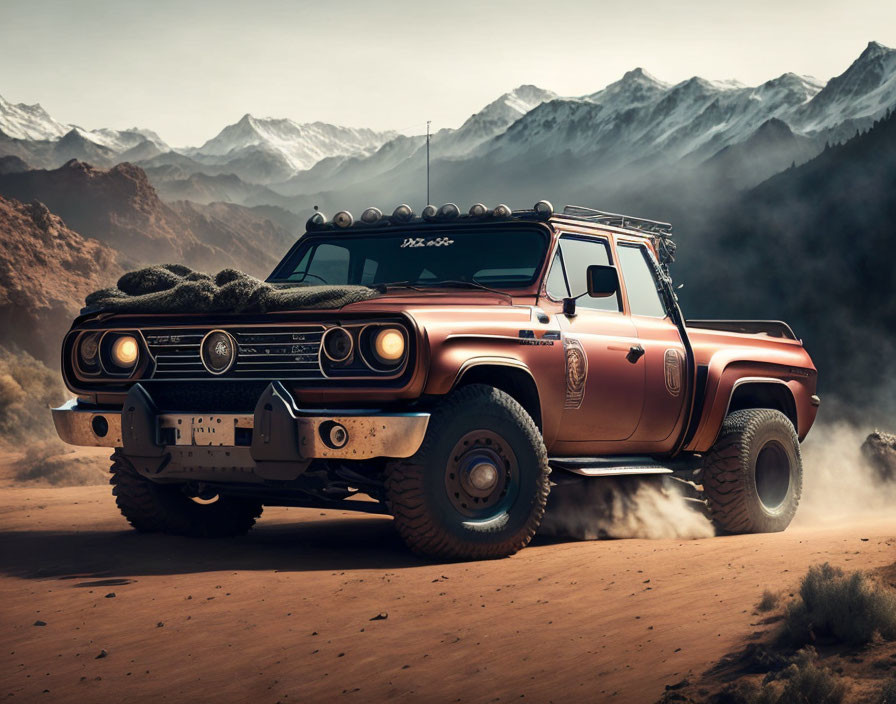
427,161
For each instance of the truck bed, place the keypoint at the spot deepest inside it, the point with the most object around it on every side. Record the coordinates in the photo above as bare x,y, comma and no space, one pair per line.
772,328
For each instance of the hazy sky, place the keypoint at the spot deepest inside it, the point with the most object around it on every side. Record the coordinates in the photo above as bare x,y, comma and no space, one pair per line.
185,69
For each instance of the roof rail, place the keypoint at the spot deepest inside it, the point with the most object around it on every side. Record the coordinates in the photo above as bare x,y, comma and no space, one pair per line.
661,232
652,227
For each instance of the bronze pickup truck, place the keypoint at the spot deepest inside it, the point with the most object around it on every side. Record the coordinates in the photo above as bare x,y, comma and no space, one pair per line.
479,360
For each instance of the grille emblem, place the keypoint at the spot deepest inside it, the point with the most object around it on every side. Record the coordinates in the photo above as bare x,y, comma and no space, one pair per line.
218,351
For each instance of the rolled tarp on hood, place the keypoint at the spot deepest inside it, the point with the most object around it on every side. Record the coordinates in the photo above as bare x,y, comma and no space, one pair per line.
174,288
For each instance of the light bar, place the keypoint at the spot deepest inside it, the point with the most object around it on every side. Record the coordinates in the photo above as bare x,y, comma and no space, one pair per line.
403,213
449,211
371,215
343,219
315,221
477,210
502,211
544,209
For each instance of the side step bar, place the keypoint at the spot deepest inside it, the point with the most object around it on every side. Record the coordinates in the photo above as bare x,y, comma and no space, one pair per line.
622,466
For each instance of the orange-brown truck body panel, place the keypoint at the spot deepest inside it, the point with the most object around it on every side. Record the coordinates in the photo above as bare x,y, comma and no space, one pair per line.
652,407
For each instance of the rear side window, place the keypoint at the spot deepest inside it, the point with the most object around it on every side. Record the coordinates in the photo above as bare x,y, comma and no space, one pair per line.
568,278
640,283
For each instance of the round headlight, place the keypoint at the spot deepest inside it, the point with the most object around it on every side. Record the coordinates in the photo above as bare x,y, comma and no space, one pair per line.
337,344
502,211
429,212
388,346
371,215
343,219
89,352
125,351
478,210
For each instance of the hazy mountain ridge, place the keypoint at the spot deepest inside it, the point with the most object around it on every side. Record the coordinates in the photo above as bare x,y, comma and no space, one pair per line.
120,207
810,246
632,128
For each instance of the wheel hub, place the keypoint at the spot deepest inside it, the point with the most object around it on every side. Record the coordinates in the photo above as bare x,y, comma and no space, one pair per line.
481,469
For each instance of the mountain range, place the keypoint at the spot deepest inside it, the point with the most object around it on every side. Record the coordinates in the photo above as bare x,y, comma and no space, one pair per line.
636,127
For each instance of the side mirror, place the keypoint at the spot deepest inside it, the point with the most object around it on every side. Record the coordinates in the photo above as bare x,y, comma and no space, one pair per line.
603,281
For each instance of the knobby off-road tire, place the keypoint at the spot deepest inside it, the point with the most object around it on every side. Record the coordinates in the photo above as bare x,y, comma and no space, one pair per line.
753,475
164,508
437,508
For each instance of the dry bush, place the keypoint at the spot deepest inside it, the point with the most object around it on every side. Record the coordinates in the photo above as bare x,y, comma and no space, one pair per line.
768,601
803,681
55,463
27,391
844,608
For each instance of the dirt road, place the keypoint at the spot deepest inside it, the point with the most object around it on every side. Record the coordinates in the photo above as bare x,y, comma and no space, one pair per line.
289,613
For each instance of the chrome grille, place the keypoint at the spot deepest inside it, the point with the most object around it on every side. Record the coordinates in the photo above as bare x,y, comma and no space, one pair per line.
282,353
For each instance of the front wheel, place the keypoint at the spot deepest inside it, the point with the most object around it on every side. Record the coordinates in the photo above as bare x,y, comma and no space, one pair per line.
477,487
753,475
164,508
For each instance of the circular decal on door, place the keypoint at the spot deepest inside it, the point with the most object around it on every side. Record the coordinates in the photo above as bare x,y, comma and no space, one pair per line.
576,373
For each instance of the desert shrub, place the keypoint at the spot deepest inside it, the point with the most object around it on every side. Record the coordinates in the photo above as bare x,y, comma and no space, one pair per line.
768,601
28,389
846,608
53,462
803,681
809,683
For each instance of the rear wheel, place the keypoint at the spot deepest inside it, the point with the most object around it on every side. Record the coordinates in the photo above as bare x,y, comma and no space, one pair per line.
477,487
165,508
753,475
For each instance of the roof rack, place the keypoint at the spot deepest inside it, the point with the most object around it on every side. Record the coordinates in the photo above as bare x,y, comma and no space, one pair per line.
629,222
661,232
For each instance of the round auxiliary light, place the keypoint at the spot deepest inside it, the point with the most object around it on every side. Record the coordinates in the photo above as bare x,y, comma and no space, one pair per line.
316,220
429,212
403,213
337,344
218,351
502,211
343,219
89,352
388,346
544,209
125,351
449,211
371,215
478,210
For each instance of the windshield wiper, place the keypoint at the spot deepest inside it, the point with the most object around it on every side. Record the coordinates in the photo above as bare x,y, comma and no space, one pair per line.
465,284
382,288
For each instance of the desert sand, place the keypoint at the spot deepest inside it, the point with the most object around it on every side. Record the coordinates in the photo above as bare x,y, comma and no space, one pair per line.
320,606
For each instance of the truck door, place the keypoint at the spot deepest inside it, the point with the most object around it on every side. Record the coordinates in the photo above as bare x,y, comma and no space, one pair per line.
605,388
664,353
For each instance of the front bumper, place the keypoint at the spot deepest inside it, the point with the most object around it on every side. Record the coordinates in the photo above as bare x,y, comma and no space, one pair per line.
277,431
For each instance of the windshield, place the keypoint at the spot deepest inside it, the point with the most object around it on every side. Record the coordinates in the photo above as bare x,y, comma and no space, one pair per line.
498,258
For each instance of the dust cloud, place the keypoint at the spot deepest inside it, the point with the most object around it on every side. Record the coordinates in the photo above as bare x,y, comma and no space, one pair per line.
596,508
838,482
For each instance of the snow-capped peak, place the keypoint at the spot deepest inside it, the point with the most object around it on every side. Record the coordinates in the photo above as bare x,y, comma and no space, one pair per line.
864,90
301,145
21,121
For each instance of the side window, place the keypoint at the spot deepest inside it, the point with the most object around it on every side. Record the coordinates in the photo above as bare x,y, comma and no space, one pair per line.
568,275
640,283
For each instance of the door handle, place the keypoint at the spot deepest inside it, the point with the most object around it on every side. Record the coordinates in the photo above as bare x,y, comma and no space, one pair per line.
635,352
